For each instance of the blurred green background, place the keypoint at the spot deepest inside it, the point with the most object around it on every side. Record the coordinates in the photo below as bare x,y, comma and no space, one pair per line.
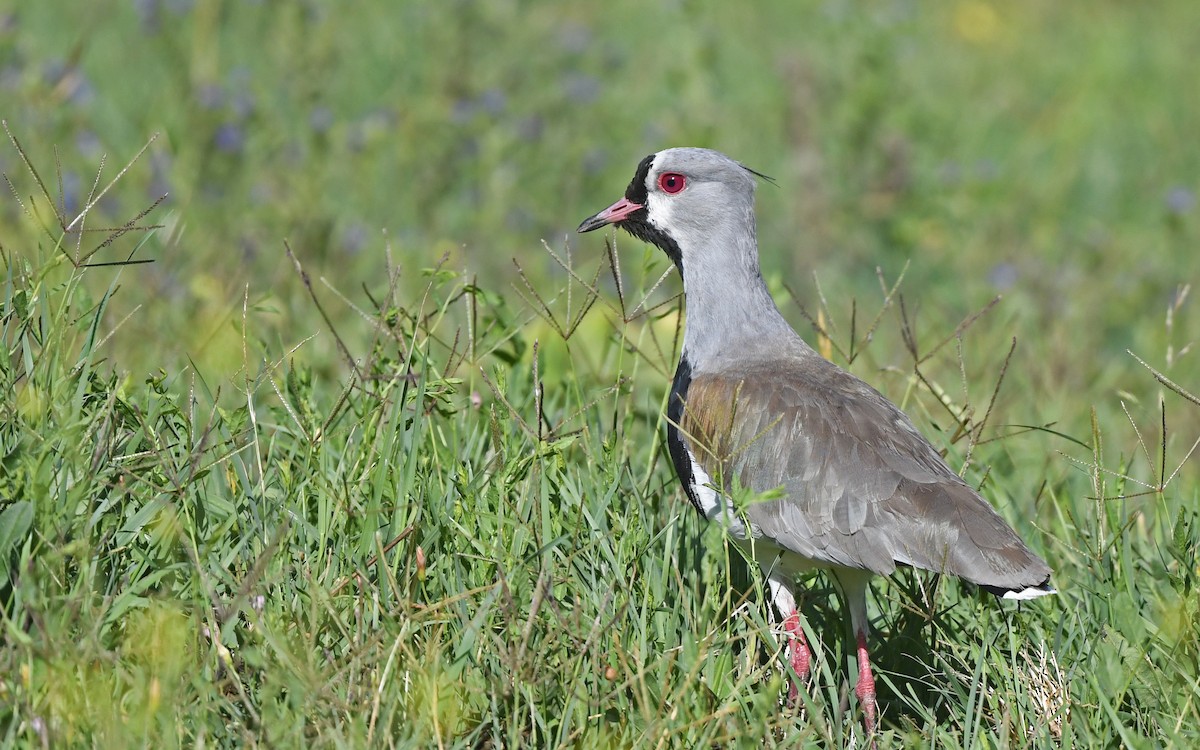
1046,151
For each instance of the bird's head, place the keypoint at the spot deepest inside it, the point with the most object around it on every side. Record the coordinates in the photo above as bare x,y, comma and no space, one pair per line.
681,199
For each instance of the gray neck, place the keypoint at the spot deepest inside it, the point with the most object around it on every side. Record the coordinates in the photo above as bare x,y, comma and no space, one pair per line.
730,313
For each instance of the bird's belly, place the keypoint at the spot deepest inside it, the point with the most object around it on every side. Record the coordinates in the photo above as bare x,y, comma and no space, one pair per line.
717,508
775,559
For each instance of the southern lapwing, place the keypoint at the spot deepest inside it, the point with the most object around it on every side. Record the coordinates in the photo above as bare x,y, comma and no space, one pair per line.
755,407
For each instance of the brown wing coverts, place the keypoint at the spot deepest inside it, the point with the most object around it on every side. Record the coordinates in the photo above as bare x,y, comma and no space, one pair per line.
863,488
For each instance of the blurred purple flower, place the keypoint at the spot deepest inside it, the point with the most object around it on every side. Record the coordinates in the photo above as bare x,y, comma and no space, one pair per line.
1180,200
79,90
70,198
229,138
242,105
210,95
493,101
574,38
581,88
530,128
653,132
294,153
89,145
10,76
462,111
353,238
261,193
519,219
374,127
53,71
950,173
82,92
594,161
239,76
320,119
356,136
1003,275
249,247
384,117
149,16
160,171
986,170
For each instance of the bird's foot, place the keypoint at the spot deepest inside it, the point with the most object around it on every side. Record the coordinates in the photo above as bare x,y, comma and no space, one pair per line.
798,655
865,689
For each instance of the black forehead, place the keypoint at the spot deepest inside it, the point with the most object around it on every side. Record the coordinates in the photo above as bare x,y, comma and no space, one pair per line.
636,192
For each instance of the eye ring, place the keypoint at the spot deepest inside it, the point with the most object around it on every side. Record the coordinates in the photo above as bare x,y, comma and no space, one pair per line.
671,182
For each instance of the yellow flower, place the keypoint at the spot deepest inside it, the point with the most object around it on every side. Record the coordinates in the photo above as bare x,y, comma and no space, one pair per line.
976,22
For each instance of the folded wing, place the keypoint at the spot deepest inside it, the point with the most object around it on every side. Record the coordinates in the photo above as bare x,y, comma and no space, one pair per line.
862,488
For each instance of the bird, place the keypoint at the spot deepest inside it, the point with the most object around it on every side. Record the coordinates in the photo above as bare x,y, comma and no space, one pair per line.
850,485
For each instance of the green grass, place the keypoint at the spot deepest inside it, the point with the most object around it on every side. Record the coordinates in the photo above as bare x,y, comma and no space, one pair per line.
360,494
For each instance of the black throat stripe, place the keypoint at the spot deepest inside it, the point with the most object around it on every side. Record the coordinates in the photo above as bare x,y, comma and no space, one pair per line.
636,192
675,445
638,223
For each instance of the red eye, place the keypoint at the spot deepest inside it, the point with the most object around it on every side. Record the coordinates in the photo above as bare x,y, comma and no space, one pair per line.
672,182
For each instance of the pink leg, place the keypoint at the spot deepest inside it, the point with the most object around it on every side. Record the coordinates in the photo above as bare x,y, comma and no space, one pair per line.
854,585
797,648
865,690
798,653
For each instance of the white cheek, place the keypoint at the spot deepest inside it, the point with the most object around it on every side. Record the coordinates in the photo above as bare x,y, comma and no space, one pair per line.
659,206
659,210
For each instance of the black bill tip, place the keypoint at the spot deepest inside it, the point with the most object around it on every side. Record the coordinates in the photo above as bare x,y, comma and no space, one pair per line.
592,223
